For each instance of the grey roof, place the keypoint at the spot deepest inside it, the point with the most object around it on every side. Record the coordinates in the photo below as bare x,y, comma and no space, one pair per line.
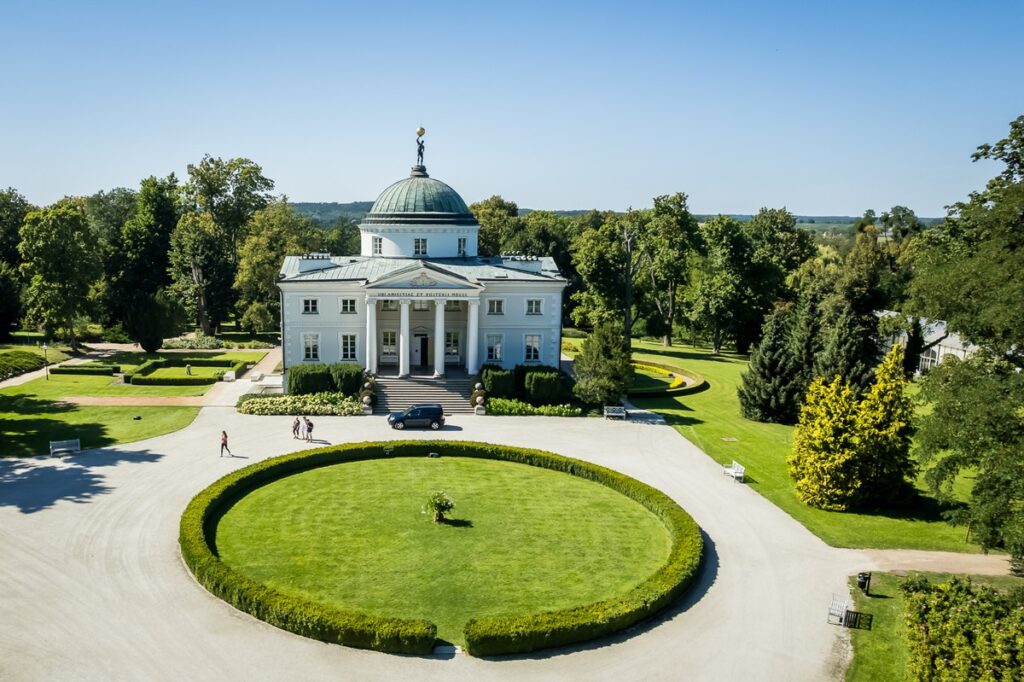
325,268
419,199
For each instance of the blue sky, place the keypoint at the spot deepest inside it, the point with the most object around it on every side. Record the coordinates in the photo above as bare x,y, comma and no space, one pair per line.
826,108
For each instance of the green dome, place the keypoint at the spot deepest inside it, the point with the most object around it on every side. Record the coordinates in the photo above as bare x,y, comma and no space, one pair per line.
419,199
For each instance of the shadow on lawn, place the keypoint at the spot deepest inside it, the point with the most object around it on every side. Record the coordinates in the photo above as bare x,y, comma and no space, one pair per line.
672,410
679,354
919,508
35,484
706,577
32,432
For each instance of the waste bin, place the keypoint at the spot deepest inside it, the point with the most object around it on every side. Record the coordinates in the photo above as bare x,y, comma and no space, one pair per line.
864,582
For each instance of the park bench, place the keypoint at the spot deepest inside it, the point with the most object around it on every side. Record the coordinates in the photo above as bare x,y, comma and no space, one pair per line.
58,447
615,412
736,470
837,610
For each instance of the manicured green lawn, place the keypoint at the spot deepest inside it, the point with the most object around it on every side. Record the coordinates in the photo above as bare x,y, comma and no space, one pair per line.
711,420
524,539
177,372
646,380
53,354
60,386
27,424
880,654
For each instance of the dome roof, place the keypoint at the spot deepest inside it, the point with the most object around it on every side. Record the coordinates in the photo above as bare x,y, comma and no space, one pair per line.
420,199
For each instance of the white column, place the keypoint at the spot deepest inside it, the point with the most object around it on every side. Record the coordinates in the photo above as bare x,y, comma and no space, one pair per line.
403,339
439,337
472,342
371,335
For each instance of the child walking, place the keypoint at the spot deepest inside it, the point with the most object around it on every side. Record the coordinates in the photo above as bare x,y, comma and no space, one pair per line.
224,444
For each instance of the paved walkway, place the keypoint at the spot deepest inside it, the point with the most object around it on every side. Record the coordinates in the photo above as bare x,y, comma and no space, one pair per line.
94,587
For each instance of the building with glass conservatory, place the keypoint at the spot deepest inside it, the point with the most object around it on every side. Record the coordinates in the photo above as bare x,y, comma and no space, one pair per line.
418,299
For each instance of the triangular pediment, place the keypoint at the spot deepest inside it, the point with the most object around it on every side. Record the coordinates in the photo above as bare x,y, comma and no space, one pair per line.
422,276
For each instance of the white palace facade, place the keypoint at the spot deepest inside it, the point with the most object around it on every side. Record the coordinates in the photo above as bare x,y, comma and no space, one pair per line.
418,299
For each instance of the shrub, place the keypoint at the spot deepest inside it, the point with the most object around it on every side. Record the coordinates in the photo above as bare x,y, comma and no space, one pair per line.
198,342
480,393
498,382
97,370
603,370
545,388
314,378
175,381
960,632
505,407
15,362
347,377
327,403
484,636
438,504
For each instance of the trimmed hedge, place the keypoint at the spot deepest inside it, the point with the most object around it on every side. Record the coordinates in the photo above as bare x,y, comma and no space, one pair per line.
484,636
347,377
15,362
96,370
498,382
174,381
697,383
140,375
545,388
334,404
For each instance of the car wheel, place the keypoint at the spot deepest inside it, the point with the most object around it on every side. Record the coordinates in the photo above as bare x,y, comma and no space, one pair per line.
398,425
435,425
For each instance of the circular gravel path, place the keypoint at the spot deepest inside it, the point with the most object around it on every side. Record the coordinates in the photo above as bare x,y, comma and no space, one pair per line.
94,587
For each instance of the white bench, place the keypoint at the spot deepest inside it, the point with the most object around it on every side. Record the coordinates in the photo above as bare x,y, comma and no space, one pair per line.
615,411
58,447
837,610
736,470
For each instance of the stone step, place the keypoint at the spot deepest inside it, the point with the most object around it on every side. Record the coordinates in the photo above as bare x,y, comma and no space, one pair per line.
394,394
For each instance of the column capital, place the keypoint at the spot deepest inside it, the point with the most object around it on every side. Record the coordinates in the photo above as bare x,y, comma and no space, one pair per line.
474,301
404,302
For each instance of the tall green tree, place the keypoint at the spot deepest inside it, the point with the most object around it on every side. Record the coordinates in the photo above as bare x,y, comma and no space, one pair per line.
771,389
274,232
13,209
60,260
499,222
603,369
720,287
107,212
883,428
198,259
666,248
849,349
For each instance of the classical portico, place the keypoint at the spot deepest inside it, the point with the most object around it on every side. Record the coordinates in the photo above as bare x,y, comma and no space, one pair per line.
419,299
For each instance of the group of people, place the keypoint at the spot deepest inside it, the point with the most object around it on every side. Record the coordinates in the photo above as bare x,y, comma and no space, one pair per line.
302,428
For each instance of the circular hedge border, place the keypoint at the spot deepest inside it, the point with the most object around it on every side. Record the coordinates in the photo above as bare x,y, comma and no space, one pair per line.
484,636
696,386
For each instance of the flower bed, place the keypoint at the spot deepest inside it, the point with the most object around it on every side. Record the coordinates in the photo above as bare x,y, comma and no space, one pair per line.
334,404
506,407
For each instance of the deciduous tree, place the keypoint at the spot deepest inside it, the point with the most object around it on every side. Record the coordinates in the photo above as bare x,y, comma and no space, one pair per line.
499,222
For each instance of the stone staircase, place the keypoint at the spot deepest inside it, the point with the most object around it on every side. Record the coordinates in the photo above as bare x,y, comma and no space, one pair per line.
395,395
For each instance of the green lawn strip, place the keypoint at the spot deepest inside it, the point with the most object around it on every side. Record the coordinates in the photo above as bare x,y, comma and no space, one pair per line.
60,386
179,372
881,654
353,535
708,417
54,354
27,425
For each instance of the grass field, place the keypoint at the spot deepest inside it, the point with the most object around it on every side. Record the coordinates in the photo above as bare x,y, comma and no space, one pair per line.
523,539
880,654
54,354
646,380
711,420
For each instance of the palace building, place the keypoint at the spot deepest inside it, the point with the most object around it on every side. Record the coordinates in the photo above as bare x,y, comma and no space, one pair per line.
418,299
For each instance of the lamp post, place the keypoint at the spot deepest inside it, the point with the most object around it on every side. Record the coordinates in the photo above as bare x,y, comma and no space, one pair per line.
46,367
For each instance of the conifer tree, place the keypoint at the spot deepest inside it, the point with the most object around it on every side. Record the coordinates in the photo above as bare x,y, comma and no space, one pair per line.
770,391
883,434
602,369
850,349
804,342
824,463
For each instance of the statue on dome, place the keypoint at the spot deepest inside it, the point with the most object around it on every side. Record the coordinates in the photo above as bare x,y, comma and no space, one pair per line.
420,132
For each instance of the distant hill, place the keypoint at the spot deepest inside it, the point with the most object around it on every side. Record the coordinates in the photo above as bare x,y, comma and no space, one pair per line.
327,212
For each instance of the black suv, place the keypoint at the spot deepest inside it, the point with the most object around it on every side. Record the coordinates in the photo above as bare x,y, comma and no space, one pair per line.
418,415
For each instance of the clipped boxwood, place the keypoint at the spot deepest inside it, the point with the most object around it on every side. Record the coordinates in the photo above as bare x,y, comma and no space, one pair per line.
95,370
348,377
545,388
484,636
174,381
313,378
498,382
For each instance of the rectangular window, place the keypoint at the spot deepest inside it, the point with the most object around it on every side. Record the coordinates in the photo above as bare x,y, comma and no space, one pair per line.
311,347
420,305
419,247
348,346
532,348
310,306
451,344
348,306
533,306
388,343
453,306
389,304
496,306
378,246
462,246
494,347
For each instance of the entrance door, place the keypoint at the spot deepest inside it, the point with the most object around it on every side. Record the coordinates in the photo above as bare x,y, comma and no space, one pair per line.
417,352
424,352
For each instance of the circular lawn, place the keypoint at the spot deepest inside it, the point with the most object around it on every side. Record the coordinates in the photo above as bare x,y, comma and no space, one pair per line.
521,539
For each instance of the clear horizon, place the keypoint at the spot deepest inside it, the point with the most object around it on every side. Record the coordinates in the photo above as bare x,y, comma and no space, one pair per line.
827,112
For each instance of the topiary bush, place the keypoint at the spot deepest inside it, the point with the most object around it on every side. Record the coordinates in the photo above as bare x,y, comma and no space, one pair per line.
347,377
484,636
545,388
498,382
313,378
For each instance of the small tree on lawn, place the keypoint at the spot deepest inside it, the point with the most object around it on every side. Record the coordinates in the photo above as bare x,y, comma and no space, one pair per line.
824,462
438,504
603,369
883,434
771,389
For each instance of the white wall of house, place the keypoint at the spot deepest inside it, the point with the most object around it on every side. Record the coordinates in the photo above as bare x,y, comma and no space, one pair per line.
399,241
514,323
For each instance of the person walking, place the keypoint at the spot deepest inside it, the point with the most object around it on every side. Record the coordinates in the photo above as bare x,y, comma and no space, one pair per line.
224,444
296,425
309,431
